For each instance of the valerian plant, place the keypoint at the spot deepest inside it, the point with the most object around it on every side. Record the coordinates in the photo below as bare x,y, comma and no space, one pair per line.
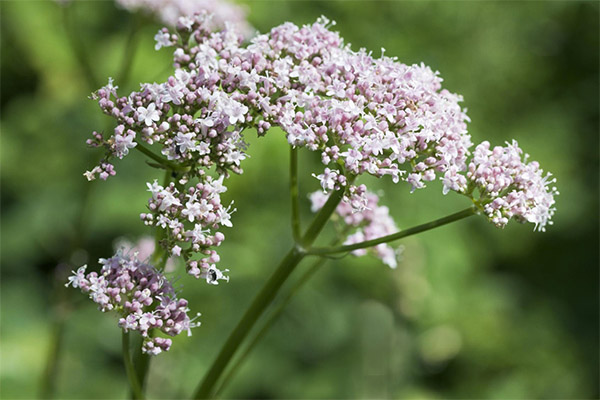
363,115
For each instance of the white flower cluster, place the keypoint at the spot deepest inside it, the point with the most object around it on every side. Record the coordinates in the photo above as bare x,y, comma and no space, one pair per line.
511,187
191,218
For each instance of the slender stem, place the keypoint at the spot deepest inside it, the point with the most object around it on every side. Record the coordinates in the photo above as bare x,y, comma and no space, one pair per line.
322,217
275,314
78,49
294,193
269,323
141,363
255,310
395,236
131,374
160,256
130,47
48,384
162,161
264,298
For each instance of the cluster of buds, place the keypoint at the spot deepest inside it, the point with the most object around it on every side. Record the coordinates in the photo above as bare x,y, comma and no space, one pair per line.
509,186
141,295
373,222
191,220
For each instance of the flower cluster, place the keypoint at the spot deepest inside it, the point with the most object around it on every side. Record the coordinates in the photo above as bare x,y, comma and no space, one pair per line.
169,11
509,186
373,222
191,219
364,115
141,295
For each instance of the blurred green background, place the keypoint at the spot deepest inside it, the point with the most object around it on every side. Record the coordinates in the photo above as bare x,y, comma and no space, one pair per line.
471,312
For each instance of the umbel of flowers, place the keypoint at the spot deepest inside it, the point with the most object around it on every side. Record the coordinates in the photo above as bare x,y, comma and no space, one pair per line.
141,295
364,115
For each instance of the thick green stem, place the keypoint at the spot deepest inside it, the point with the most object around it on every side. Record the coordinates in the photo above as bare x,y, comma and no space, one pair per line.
275,314
256,309
294,194
131,373
316,266
269,322
141,364
395,236
264,298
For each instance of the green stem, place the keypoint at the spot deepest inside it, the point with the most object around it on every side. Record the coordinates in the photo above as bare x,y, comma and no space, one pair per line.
48,385
395,236
160,256
78,49
323,216
255,310
269,322
162,161
131,373
294,193
141,363
264,298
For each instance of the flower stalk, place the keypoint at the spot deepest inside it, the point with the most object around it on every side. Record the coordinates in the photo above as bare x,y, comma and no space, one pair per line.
275,314
264,297
395,236
160,160
296,230
130,370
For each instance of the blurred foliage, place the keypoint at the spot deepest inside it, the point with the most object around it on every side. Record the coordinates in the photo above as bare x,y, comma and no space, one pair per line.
471,311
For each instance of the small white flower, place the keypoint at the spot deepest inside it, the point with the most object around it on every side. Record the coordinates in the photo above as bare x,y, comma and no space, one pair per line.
184,141
77,277
148,115
162,40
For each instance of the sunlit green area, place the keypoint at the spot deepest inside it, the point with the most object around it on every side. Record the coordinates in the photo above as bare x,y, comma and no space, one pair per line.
472,311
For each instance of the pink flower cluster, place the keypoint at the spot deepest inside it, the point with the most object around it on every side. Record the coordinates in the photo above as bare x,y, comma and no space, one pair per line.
141,295
511,187
373,222
191,219
169,11
364,115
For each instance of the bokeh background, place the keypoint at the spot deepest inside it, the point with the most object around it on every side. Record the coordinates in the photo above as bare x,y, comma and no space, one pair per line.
471,312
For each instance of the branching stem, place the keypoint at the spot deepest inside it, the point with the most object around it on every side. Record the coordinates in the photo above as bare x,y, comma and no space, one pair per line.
395,236
131,374
161,160
294,194
264,298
